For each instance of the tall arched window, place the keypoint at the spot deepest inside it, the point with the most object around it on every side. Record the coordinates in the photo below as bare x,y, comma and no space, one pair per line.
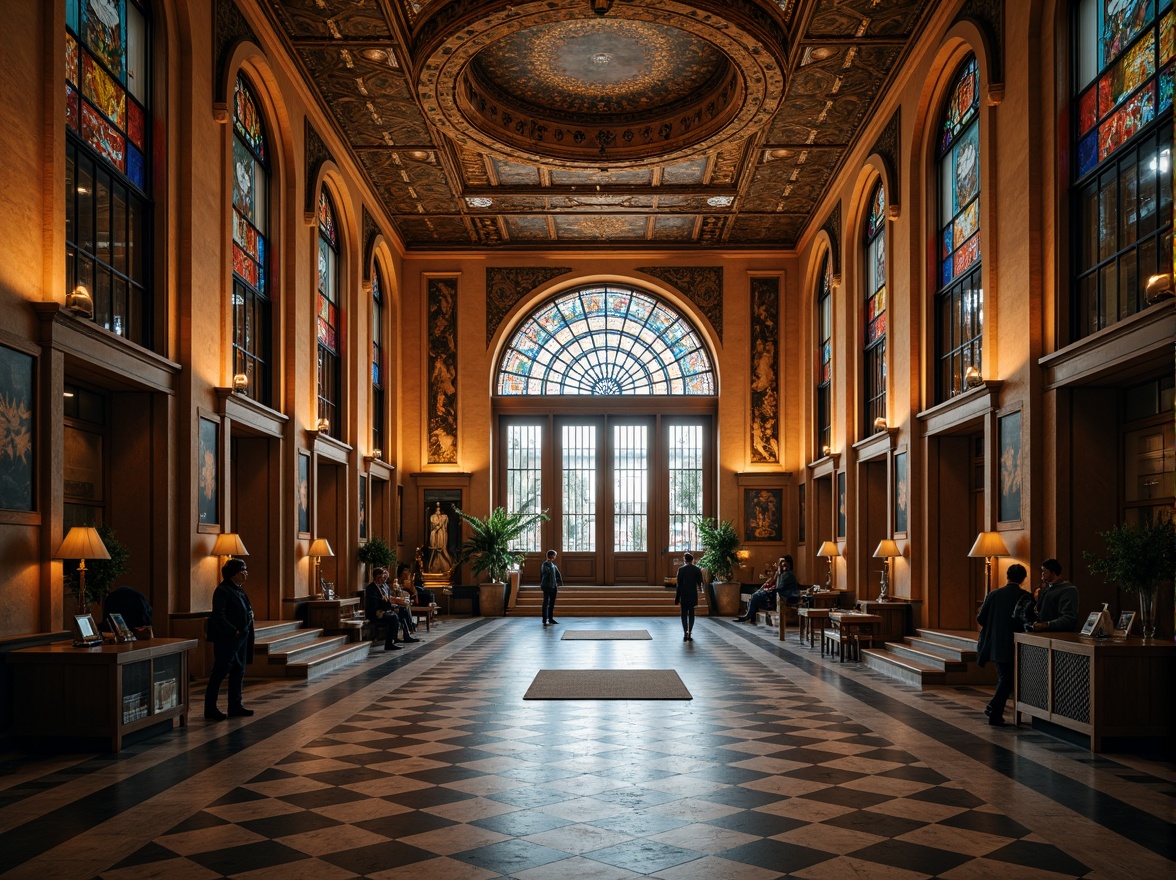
959,305
824,399
874,355
378,358
1123,145
108,163
328,318
251,300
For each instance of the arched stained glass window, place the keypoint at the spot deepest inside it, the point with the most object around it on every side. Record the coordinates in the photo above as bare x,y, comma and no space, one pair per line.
327,316
824,400
251,300
605,340
378,358
108,162
875,316
960,302
1123,146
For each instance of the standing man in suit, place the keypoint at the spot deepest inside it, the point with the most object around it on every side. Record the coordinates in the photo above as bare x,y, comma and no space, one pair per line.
996,638
230,629
686,597
550,581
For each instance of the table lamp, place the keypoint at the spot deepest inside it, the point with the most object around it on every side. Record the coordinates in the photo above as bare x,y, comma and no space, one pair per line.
829,551
82,543
227,545
319,548
887,550
989,545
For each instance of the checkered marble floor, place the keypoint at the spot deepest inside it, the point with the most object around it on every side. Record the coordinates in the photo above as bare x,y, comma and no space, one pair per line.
427,763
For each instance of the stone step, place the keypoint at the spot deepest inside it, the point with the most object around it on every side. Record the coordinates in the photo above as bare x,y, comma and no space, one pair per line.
939,649
910,671
964,639
308,650
328,661
925,658
266,629
285,641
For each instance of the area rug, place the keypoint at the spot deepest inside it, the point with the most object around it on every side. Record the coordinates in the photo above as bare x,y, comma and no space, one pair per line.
601,634
607,684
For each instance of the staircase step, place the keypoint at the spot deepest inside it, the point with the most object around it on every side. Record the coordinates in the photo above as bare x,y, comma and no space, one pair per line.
266,629
328,661
923,658
286,641
901,668
954,653
964,639
308,650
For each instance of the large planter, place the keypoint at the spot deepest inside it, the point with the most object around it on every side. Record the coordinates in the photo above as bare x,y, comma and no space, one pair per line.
492,599
727,599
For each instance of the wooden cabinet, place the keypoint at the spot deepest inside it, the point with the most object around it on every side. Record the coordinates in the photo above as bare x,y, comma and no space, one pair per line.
898,617
99,693
1097,687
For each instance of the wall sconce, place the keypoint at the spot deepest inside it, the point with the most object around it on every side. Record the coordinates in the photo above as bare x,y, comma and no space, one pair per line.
989,545
972,376
374,455
82,543
743,556
1159,287
227,545
826,450
880,423
829,551
887,550
80,302
240,382
323,426
319,548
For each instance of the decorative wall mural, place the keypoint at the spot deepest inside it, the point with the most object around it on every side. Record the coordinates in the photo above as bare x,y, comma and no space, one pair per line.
765,378
505,287
1010,467
16,430
763,515
208,472
702,285
442,361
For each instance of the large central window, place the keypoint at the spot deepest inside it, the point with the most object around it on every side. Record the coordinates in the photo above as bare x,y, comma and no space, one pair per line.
605,341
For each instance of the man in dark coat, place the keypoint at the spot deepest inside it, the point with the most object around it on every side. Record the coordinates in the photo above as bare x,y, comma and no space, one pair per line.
550,581
1057,601
689,587
380,610
996,638
230,629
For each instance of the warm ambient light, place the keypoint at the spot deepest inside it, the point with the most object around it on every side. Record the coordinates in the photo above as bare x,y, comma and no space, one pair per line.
228,544
887,550
829,550
374,455
1159,287
972,376
82,543
240,381
880,423
323,426
319,548
826,450
80,302
989,545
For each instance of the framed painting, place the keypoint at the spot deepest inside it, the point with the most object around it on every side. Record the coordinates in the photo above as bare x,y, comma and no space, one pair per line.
399,513
901,494
17,445
1009,437
208,456
304,494
841,517
363,485
800,512
763,514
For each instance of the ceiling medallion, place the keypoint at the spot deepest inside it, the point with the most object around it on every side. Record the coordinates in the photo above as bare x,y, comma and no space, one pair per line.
652,80
720,201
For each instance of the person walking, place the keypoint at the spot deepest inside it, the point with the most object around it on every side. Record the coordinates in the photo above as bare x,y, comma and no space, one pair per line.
230,629
997,625
686,597
550,581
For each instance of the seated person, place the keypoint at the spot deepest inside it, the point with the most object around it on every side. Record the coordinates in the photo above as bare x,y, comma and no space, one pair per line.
134,608
784,585
381,610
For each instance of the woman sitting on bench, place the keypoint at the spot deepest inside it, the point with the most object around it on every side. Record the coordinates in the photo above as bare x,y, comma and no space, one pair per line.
784,585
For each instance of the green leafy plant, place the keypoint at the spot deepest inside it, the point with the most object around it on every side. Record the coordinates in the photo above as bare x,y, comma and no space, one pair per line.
376,553
488,548
100,573
1139,557
720,545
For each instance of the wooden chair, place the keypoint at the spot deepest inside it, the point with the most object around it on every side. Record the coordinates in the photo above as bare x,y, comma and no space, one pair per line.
831,639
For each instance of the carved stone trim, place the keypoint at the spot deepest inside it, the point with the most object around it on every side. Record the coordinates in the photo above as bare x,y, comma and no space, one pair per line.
231,28
442,366
832,226
505,287
702,285
316,154
765,370
889,147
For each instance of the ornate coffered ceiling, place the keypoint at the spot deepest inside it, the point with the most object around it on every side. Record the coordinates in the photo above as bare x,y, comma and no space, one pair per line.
590,122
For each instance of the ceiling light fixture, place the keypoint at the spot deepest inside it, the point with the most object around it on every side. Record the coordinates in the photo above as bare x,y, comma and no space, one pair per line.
720,201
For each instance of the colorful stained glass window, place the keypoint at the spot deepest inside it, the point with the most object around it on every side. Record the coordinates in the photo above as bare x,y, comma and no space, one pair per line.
327,315
377,357
824,305
1122,156
251,297
605,340
874,359
959,326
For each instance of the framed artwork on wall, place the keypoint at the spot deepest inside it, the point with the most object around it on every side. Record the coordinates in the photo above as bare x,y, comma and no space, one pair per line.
841,518
363,485
208,479
901,493
800,511
399,513
763,514
1009,435
304,494
442,530
17,445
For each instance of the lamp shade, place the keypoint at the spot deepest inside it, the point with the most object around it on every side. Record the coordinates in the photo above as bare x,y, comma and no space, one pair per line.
320,547
829,549
989,544
887,549
229,544
82,542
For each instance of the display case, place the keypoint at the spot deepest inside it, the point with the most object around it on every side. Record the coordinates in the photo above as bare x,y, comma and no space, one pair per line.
102,693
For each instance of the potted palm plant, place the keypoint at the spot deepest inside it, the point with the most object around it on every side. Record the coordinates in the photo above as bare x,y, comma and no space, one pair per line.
720,546
375,553
489,550
1139,557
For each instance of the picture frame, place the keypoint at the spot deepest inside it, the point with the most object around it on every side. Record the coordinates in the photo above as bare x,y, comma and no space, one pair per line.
1009,438
302,493
85,631
18,452
800,511
208,473
118,626
763,514
841,513
1098,625
1123,627
901,494
363,489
